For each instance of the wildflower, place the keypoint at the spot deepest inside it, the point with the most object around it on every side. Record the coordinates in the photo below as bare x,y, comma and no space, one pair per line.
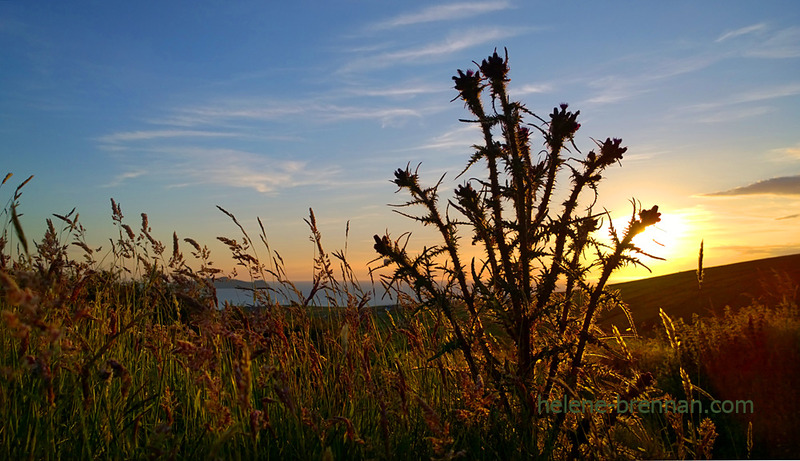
646,218
469,86
404,178
382,245
467,197
650,217
495,68
563,125
610,152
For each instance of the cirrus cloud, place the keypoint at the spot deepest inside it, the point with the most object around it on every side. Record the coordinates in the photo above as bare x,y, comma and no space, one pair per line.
438,13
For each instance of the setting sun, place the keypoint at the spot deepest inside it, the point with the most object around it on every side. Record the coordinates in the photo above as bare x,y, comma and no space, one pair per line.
665,239
674,240
399,230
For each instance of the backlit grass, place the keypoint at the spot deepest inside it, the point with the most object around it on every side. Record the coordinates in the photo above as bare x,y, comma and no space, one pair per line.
128,356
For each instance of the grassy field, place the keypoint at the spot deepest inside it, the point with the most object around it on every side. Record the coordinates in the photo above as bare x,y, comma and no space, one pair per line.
733,285
135,362
123,353
740,340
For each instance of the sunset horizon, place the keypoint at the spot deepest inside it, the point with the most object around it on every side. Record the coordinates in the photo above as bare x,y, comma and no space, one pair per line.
705,100
459,229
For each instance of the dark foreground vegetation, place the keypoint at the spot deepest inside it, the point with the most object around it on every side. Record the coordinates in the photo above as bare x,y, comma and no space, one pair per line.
132,359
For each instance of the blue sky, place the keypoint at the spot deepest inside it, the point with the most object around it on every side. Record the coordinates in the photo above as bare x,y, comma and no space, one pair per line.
269,108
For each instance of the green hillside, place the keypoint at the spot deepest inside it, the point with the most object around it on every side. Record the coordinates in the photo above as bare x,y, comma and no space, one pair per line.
734,285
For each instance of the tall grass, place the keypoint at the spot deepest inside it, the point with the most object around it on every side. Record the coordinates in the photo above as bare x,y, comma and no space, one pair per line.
753,354
128,355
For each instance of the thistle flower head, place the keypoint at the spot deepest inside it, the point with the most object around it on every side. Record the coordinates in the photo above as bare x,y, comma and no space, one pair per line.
382,245
405,178
495,68
563,124
610,151
468,85
467,196
650,217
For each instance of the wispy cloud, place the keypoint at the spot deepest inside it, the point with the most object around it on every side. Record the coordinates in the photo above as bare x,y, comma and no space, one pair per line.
177,158
147,135
782,44
532,88
640,153
785,185
792,152
235,168
613,89
728,115
779,91
460,137
399,91
754,41
231,113
734,107
449,12
742,31
453,43
215,113
618,87
754,95
761,41
121,178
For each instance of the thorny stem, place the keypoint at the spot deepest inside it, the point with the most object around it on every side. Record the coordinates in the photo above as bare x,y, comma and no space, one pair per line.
427,198
646,218
511,122
513,246
516,292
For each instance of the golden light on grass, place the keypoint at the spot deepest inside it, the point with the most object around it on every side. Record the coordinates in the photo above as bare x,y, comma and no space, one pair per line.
494,319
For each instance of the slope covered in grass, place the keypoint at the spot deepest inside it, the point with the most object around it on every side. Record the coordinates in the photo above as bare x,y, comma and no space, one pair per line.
735,285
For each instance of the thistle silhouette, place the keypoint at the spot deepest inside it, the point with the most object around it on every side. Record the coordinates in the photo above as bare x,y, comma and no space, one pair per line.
529,247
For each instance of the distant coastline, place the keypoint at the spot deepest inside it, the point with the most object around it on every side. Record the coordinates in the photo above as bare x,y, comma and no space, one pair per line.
225,282
240,292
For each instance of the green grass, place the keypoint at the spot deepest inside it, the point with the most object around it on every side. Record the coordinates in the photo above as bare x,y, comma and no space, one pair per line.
125,354
96,367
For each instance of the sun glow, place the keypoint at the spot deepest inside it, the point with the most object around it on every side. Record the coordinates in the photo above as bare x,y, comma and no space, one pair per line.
672,239
662,239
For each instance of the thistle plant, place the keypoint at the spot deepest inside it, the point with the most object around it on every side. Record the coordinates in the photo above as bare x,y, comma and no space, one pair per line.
530,245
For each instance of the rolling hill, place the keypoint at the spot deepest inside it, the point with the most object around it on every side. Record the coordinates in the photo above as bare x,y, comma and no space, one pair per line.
734,285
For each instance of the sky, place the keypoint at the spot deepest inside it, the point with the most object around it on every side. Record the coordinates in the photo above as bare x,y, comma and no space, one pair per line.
267,109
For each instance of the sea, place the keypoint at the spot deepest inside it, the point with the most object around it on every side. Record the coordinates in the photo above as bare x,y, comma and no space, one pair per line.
245,296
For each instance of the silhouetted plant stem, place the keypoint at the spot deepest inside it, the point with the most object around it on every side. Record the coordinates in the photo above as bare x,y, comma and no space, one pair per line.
646,218
583,231
611,263
512,215
470,87
389,250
